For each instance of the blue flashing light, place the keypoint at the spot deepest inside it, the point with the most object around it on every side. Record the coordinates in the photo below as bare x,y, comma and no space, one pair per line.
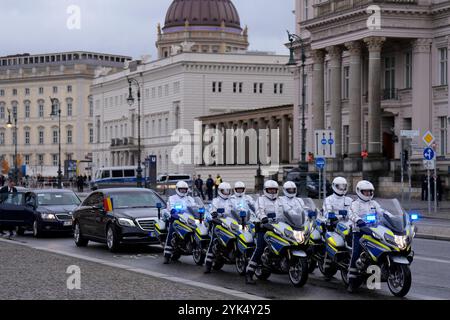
159,205
243,214
414,217
312,214
201,210
331,215
221,211
371,218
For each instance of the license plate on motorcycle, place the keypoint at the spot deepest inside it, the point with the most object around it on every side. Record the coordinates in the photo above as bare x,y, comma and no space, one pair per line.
67,223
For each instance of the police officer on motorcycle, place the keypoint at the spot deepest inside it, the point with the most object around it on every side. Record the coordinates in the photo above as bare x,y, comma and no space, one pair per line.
362,206
291,203
239,196
182,199
223,202
267,204
335,203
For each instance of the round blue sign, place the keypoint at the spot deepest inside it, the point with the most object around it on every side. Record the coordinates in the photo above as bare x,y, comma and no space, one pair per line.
320,163
428,154
324,141
331,141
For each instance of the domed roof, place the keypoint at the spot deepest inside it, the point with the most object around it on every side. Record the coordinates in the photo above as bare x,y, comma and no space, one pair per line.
202,13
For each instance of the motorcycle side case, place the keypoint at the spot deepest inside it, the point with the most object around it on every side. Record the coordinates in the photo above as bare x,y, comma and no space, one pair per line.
201,233
334,243
245,241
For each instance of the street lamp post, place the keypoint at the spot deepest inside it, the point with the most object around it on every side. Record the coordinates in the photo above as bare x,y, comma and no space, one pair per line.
131,100
55,104
9,125
303,165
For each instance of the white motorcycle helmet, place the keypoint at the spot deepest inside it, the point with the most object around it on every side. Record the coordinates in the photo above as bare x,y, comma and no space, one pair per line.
239,189
182,189
290,189
340,186
224,190
365,190
271,189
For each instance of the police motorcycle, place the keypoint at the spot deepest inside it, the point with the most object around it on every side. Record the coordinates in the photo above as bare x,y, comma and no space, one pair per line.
286,250
191,235
387,244
233,242
331,242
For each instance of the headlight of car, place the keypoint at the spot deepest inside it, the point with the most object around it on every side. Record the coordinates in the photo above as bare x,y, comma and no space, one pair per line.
126,222
299,236
48,216
401,242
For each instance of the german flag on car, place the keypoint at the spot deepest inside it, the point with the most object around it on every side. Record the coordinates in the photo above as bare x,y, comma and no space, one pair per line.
107,204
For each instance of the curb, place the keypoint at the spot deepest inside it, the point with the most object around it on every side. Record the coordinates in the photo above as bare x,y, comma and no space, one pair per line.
432,237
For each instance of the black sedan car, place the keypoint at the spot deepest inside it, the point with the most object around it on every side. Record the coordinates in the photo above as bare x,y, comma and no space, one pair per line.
17,210
54,211
117,217
311,182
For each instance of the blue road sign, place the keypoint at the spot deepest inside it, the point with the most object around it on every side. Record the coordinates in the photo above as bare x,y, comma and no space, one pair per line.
320,163
331,142
428,154
324,141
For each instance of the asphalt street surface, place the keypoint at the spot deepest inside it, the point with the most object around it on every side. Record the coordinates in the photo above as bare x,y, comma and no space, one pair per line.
184,280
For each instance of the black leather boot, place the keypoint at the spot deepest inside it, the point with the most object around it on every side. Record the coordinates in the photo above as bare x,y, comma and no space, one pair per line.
208,267
249,278
166,260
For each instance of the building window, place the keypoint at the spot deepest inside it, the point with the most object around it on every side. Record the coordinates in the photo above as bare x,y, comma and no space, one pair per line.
55,160
346,136
69,108
69,88
69,136
346,81
261,87
443,66
2,112
41,110
176,87
27,111
2,93
27,159
27,137
281,88
55,90
160,92
306,9
2,138
55,136
41,90
91,135
217,86
214,86
408,70
14,111
14,137
389,78
40,159
443,136
153,93
275,88
91,107
14,92
41,136
27,91
166,90
237,87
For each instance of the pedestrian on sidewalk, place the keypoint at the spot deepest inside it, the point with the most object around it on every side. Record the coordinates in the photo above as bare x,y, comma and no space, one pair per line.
424,188
217,184
199,186
210,187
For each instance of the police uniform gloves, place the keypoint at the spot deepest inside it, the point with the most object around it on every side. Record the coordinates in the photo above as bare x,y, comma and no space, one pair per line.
361,224
265,220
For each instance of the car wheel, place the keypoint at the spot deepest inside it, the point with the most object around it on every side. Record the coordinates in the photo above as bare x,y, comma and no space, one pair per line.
80,241
112,240
37,231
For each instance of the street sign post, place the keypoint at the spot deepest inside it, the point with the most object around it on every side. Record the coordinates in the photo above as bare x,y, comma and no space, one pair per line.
409,133
320,164
428,138
325,144
430,164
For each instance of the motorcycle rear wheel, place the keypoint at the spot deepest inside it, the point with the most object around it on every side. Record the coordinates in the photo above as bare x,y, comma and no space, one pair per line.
329,272
198,255
399,281
298,273
241,264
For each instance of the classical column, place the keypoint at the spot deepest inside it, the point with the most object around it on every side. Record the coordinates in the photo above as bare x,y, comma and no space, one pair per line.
318,90
284,139
421,83
335,53
354,49
374,44
262,141
240,143
229,145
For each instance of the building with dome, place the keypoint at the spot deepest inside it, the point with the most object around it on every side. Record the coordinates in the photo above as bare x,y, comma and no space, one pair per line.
208,26
203,69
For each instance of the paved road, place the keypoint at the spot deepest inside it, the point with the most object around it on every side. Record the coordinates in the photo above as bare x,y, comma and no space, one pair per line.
431,272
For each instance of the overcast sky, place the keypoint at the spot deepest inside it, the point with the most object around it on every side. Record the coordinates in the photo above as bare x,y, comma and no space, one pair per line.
125,27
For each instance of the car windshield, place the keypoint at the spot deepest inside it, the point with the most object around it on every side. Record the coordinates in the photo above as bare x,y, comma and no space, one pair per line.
12,198
57,199
135,199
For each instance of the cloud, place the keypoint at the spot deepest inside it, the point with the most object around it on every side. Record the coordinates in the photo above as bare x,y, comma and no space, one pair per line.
123,27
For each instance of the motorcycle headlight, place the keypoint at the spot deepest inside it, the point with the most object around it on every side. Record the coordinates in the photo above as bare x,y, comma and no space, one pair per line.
126,222
48,216
234,227
299,236
289,234
401,242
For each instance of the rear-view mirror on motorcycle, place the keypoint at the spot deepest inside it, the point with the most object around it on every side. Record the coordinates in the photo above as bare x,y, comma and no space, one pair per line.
221,211
312,214
331,215
271,215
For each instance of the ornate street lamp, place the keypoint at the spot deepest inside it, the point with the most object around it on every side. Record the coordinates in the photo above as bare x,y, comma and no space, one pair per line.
293,38
10,125
131,100
56,111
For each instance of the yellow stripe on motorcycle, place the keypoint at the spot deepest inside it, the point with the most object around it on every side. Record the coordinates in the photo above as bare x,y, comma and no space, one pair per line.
225,230
271,234
371,239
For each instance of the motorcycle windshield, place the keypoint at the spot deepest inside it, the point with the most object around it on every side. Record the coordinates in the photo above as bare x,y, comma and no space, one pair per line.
193,210
296,221
309,204
395,217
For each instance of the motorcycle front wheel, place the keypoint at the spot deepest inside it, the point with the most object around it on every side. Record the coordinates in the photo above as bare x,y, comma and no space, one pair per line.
399,280
241,264
198,255
298,272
